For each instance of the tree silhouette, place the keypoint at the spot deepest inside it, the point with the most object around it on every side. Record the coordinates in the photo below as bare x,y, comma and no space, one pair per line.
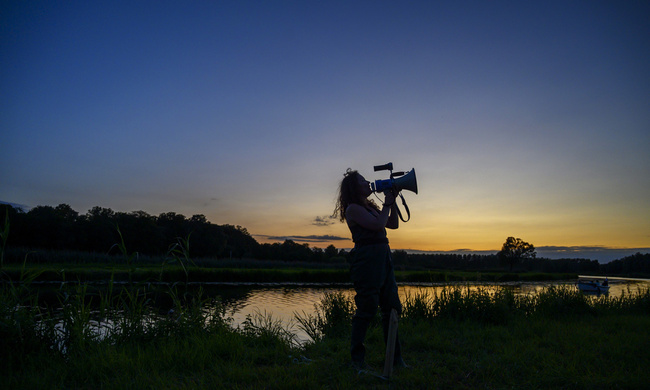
98,227
238,241
140,232
514,250
52,227
331,251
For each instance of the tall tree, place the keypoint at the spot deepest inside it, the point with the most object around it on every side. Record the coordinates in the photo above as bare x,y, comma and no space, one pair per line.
514,250
331,251
99,228
239,241
52,228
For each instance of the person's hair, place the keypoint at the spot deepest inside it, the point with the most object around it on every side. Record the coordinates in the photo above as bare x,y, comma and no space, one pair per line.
349,193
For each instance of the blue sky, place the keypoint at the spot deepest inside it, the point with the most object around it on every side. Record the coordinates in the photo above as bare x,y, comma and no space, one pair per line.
525,119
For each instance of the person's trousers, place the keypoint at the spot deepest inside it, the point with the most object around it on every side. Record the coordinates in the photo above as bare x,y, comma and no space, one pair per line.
374,282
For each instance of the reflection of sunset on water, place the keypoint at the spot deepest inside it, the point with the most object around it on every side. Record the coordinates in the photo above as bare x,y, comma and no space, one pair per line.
282,303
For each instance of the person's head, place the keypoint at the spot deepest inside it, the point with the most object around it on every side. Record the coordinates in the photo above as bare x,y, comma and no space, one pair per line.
354,188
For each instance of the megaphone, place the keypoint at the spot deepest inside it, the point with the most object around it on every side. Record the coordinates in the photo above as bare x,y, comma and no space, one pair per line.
398,181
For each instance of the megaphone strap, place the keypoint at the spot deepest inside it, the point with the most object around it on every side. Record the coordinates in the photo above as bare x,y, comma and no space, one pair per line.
406,207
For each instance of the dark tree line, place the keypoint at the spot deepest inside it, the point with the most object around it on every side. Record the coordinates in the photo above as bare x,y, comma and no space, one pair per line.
292,251
636,264
62,228
519,256
471,262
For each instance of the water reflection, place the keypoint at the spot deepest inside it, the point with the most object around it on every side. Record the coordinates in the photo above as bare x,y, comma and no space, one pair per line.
282,302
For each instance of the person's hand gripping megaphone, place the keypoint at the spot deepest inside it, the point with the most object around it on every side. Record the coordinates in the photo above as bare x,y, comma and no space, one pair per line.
389,197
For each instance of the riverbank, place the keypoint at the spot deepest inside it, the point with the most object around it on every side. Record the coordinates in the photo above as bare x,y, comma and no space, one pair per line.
459,338
289,274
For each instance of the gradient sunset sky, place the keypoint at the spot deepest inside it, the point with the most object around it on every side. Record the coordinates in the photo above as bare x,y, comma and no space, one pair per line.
525,119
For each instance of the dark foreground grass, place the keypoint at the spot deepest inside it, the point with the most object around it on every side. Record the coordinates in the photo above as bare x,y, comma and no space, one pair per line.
611,353
461,339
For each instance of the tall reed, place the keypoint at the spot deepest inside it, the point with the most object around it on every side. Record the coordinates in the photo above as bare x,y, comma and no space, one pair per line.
129,257
331,317
499,304
179,253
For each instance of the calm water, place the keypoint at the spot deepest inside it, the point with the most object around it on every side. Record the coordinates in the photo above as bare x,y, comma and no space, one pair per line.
283,302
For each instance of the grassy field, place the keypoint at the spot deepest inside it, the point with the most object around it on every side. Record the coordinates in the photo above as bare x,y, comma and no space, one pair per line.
51,265
460,338
247,272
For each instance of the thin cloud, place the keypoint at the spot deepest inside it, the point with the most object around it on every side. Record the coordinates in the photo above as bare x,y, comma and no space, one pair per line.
311,238
210,201
324,221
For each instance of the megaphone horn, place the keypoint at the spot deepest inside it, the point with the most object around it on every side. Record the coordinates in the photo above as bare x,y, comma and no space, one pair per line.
406,182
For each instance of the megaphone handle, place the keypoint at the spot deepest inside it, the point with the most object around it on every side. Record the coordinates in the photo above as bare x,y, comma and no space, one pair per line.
406,207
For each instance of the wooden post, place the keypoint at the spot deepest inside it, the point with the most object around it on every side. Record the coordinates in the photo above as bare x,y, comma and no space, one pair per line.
390,344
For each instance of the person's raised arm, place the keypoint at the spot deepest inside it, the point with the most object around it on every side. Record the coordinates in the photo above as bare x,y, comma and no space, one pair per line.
393,220
386,218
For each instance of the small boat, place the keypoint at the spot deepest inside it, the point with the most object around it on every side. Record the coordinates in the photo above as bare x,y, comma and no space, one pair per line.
593,286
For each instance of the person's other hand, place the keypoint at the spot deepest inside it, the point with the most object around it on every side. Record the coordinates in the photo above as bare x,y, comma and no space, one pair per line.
389,197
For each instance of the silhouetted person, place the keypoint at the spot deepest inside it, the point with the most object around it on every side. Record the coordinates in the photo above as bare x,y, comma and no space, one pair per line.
371,265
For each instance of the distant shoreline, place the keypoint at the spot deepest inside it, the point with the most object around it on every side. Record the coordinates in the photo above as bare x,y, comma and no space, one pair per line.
602,254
